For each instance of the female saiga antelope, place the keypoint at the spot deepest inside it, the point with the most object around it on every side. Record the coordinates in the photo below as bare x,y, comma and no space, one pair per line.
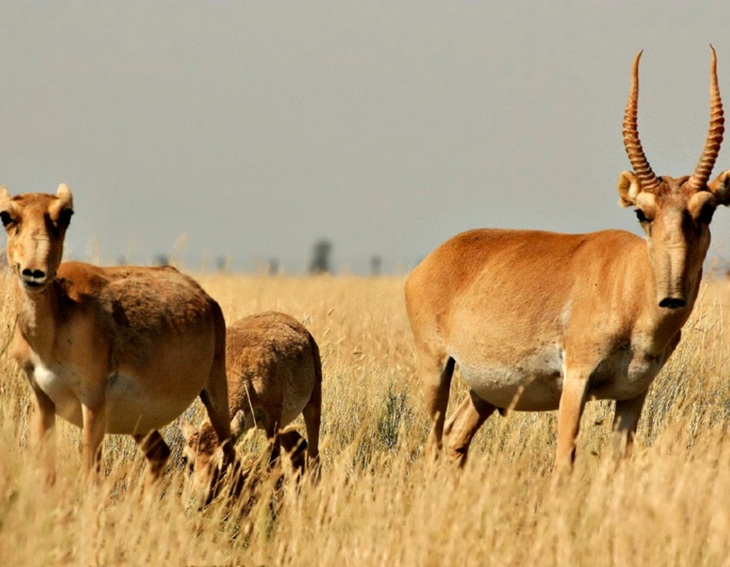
541,321
112,350
274,374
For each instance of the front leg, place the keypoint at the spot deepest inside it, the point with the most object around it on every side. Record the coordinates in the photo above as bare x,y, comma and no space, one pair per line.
45,432
572,403
627,413
94,427
625,420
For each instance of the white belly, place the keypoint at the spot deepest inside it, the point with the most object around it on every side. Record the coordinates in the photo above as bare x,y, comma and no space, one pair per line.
60,385
129,408
533,384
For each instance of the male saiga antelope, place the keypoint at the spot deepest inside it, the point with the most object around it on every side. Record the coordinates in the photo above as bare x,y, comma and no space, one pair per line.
274,374
112,350
541,321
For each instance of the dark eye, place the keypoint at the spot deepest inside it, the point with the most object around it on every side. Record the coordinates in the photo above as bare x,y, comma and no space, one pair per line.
6,218
64,218
641,216
706,214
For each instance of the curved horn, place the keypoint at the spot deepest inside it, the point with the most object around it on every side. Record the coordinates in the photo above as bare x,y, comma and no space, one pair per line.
714,135
648,181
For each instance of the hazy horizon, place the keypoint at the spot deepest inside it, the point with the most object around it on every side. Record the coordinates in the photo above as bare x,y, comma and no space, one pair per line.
248,131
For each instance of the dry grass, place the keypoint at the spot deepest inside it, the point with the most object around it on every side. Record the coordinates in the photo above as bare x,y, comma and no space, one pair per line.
379,501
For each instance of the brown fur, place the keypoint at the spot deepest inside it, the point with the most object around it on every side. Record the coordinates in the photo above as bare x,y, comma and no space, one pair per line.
274,374
112,350
542,321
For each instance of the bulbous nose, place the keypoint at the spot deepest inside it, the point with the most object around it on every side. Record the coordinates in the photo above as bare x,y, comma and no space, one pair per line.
673,302
33,278
33,274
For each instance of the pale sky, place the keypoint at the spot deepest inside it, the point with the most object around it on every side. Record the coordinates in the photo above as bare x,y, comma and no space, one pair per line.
252,129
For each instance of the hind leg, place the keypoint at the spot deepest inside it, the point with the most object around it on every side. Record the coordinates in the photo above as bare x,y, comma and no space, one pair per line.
215,394
216,405
215,399
462,426
437,382
156,452
312,413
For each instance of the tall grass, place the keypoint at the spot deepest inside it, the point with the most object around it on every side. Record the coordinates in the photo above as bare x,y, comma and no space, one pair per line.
379,501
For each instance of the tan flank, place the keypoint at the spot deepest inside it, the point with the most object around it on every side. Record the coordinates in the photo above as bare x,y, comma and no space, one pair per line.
112,350
274,374
540,321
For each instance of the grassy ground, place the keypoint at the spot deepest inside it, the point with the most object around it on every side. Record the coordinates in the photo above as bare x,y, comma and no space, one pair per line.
380,502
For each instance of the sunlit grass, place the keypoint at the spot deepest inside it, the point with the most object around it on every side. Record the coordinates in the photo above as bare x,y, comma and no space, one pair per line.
379,501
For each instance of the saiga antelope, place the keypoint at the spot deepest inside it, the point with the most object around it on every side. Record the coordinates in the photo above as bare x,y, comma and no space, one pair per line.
542,321
112,350
274,374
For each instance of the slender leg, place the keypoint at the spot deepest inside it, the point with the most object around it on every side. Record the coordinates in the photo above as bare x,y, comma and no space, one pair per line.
437,400
295,446
156,452
92,435
215,394
625,420
272,434
572,402
312,413
217,408
463,424
45,432
628,412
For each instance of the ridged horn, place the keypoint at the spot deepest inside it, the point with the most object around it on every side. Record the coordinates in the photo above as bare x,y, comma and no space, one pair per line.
648,181
714,135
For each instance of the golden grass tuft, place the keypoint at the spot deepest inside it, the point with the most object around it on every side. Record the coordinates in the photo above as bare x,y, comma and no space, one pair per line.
379,501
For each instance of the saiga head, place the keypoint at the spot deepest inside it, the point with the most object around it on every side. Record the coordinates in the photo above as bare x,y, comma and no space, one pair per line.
675,213
205,458
36,225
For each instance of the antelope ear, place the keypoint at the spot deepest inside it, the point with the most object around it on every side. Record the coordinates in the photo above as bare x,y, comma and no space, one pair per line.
238,425
628,188
720,187
4,196
64,193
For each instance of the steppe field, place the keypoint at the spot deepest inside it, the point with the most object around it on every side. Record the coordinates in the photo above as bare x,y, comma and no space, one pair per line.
379,500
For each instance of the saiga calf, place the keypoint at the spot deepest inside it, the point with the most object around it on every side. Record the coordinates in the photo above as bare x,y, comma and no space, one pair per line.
274,374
